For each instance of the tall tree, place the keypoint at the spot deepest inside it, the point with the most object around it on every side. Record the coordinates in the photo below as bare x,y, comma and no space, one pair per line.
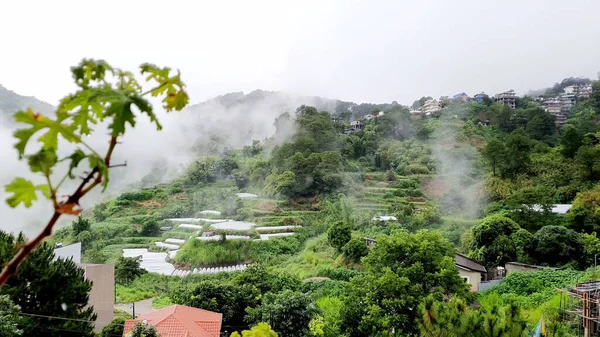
401,270
494,154
288,312
558,245
9,318
492,241
44,288
127,270
588,157
517,150
570,141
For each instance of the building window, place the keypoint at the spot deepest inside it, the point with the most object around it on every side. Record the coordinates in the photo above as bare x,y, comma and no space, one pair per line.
466,279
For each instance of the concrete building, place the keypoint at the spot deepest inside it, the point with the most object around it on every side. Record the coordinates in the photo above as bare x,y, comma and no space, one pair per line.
431,106
580,91
507,98
357,125
472,272
102,276
554,107
102,295
517,266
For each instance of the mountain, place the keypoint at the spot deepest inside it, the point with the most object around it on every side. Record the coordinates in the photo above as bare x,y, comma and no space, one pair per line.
11,102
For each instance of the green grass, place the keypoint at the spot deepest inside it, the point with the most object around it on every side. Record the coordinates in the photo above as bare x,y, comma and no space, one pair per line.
161,302
121,314
317,253
214,253
129,295
146,286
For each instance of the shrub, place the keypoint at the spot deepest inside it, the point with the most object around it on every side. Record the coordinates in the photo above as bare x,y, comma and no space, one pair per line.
339,234
355,249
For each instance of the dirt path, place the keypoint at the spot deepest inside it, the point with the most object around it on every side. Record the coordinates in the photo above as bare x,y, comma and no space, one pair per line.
141,307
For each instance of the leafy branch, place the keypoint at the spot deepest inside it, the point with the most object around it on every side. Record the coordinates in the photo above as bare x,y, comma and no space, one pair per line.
104,94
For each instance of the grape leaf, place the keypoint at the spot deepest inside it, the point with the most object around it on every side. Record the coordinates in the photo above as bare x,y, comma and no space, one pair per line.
42,161
122,114
23,192
76,157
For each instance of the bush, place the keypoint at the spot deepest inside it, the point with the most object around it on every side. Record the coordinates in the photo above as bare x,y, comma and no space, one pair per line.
355,249
339,274
114,328
80,225
142,195
339,234
99,211
127,270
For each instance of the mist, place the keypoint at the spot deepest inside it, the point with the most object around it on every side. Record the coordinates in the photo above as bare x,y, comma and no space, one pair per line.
226,122
458,179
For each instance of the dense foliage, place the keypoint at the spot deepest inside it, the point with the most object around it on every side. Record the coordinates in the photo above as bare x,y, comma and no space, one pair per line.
30,290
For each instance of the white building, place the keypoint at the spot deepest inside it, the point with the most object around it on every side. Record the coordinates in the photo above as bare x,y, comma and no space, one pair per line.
431,106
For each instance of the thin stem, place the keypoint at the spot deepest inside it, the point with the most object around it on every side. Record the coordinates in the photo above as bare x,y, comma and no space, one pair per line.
11,268
52,191
151,90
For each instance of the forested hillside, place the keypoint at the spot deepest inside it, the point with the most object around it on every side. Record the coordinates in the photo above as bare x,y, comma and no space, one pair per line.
296,206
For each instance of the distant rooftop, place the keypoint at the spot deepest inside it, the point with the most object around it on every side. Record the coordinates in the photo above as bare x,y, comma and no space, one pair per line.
556,209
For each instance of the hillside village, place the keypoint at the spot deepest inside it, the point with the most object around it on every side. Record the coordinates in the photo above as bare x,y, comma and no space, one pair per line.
469,209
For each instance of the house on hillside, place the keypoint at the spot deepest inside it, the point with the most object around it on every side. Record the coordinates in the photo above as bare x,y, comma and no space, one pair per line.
462,97
556,209
472,272
507,98
102,295
518,266
179,321
480,97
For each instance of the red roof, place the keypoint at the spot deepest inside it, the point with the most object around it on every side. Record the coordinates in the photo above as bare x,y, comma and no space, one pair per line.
180,321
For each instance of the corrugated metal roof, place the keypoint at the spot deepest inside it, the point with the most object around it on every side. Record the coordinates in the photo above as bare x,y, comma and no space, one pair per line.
467,263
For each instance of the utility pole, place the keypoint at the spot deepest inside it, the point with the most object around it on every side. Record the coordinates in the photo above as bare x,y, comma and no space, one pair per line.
133,310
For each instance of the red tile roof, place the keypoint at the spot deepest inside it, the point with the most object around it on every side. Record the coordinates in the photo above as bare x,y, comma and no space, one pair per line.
180,321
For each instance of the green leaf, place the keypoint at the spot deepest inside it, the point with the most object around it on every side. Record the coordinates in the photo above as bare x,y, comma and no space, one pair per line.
122,114
45,189
42,161
24,135
176,101
76,157
23,192
146,107
97,162
90,70
39,122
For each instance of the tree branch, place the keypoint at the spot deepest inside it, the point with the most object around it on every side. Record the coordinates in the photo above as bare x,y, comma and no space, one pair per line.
95,176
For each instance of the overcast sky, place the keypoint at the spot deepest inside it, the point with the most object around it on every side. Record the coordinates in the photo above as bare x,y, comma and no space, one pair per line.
373,51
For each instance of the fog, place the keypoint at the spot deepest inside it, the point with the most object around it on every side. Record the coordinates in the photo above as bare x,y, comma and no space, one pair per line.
361,51
225,122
